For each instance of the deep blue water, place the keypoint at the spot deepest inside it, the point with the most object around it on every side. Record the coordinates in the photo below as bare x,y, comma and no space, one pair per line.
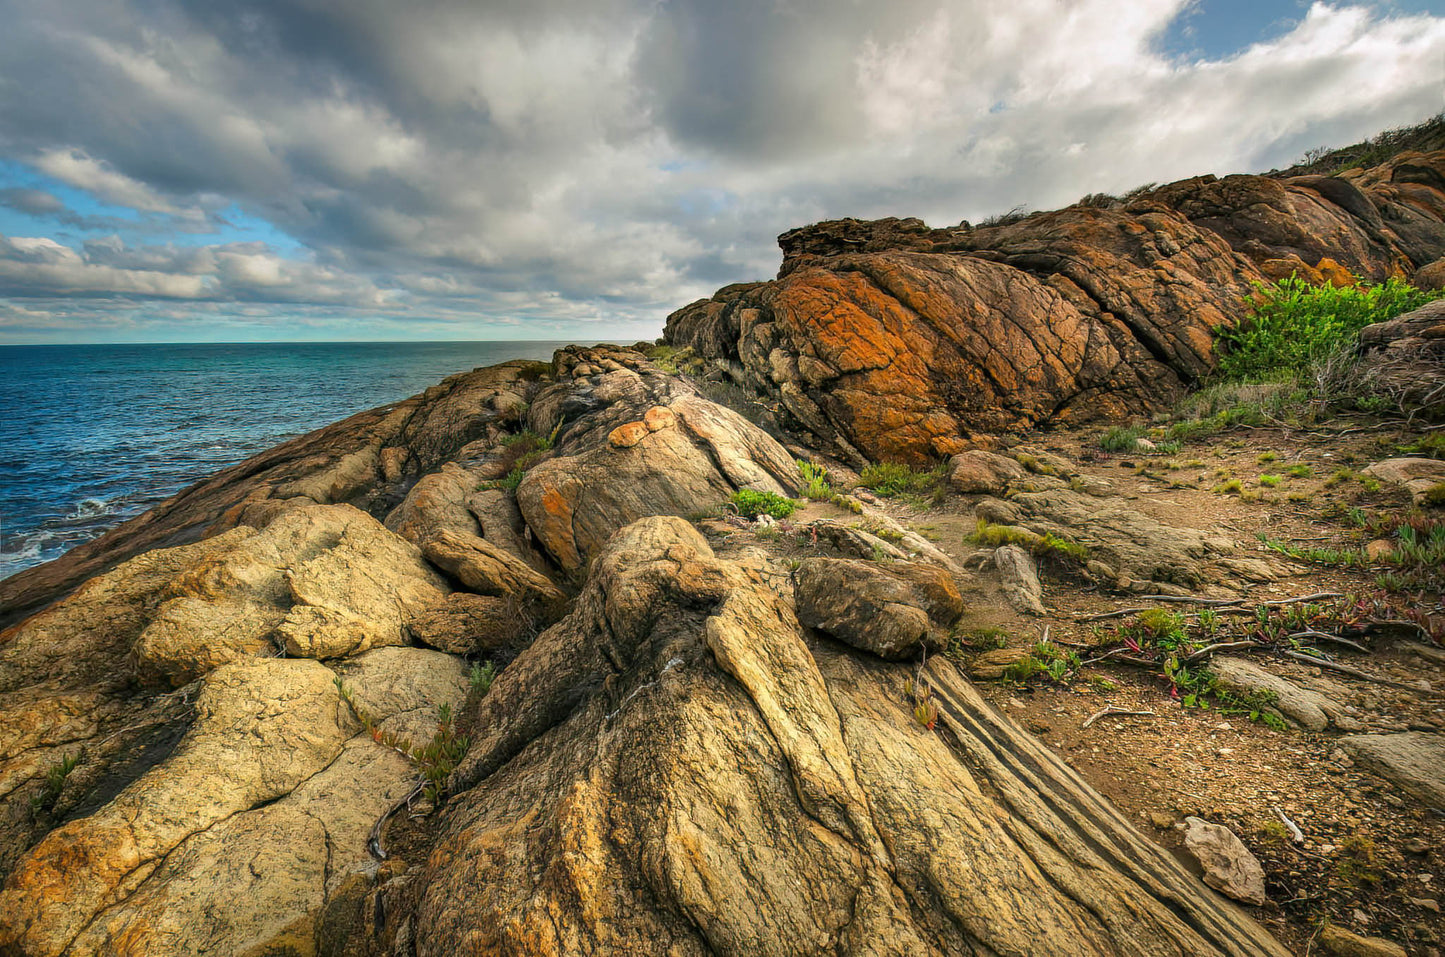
91,435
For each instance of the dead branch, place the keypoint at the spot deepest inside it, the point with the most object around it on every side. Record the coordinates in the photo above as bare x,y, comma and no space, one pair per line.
1317,596
1110,711
1346,670
1332,639
1294,832
1209,650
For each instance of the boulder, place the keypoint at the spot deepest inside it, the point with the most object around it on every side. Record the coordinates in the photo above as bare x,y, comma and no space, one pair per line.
1128,542
1228,866
488,569
991,665
1343,943
684,456
890,610
1403,360
1414,761
1418,475
1019,574
977,472
477,625
1309,709
322,581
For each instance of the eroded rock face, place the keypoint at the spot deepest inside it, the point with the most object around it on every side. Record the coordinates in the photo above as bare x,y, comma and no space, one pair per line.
674,769
1404,359
264,805
635,442
890,340
891,610
366,461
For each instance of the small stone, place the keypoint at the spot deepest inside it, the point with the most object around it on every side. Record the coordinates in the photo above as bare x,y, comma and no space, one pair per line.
1163,820
1425,902
1343,943
1228,865
1417,845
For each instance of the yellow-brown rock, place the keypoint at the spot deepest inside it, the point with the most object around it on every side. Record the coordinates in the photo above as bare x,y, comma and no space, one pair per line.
889,340
628,435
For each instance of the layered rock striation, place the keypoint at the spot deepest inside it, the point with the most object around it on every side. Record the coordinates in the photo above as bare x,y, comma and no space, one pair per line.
891,340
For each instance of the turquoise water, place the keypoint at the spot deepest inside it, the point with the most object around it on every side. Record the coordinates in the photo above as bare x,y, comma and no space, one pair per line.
91,435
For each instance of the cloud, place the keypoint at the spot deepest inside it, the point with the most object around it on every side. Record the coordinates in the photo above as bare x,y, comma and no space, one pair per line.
37,267
505,162
32,202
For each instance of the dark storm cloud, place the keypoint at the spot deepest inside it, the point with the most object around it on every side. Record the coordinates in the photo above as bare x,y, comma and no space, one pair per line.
32,202
573,158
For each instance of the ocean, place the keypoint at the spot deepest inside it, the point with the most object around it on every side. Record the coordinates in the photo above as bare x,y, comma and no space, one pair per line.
91,435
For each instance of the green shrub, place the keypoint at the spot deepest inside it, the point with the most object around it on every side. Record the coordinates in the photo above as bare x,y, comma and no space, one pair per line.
896,480
750,503
1431,446
1296,325
817,487
1120,438
1047,545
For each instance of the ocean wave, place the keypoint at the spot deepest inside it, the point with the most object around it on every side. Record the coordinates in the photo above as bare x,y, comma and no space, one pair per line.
88,508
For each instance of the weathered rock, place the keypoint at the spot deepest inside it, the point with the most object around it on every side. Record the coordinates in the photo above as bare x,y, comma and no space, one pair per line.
1343,943
1310,709
1019,574
890,610
476,624
489,569
1416,474
977,472
890,340
1228,866
702,780
1403,360
265,806
345,462
991,665
324,581
1131,543
688,456
262,727
1414,761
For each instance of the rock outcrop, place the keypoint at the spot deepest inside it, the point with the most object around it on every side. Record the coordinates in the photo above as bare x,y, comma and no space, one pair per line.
676,768
204,713
890,340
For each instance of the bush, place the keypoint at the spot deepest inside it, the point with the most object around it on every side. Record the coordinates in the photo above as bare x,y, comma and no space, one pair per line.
1120,438
816,487
751,503
894,479
1296,325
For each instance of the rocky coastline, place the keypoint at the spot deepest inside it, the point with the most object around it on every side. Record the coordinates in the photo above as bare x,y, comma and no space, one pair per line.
255,720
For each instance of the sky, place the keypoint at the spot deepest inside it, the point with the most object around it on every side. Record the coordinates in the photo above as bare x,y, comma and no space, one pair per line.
207,170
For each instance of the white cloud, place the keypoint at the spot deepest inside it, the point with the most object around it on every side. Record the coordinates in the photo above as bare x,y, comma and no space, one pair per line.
75,168
510,161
